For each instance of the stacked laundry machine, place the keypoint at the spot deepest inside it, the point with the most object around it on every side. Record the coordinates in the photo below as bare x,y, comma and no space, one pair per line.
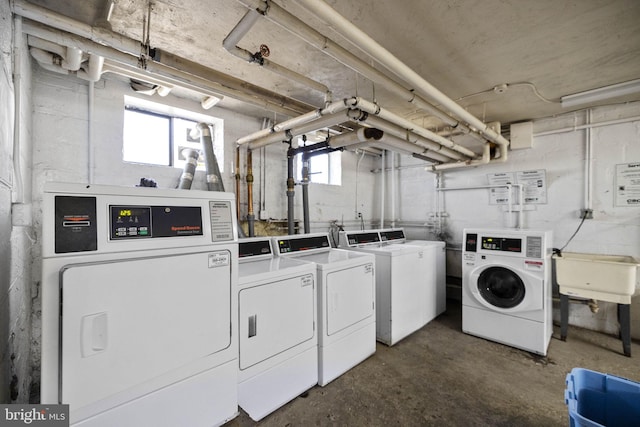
506,287
139,313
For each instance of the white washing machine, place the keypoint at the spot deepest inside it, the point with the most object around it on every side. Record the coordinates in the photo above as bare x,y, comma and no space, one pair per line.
346,301
506,287
277,328
435,251
401,292
138,313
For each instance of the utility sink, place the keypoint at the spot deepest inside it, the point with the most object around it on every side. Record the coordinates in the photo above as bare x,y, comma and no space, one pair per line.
611,278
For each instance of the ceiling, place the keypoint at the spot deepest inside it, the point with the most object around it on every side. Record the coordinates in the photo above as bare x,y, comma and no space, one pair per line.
532,52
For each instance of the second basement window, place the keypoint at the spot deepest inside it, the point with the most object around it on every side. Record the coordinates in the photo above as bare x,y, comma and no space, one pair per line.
323,168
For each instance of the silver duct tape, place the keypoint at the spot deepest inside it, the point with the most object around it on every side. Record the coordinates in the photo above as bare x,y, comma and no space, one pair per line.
187,175
212,179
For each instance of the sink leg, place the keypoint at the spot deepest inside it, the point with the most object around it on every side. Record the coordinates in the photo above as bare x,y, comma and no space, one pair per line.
624,318
564,316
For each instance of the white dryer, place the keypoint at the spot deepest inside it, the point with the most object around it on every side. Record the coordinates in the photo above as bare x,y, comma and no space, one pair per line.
435,256
401,292
346,301
138,314
506,287
277,328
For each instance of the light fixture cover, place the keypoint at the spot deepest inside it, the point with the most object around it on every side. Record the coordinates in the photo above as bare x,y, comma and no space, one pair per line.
601,94
210,101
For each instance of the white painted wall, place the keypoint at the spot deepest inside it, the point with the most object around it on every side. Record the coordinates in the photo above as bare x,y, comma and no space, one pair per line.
614,230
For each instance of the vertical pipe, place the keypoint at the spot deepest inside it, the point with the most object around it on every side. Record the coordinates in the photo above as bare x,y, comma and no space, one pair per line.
250,215
382,185
393,189
290,189
191,156
305,191
237,176
91,161
588,190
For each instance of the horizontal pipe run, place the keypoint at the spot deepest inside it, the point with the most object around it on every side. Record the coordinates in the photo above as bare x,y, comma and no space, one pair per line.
348,30
400,132
356,137
214,83
372,108
230,44
284,19
285,135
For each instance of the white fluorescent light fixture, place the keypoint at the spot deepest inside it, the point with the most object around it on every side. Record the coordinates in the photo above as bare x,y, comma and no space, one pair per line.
601,94
210,101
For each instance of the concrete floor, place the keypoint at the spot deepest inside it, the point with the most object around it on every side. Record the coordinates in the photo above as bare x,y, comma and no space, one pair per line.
441,376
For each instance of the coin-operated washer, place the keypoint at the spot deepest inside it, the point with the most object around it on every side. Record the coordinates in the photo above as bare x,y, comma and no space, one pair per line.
139,321
506,287
436,258
401,278
346,301
277,328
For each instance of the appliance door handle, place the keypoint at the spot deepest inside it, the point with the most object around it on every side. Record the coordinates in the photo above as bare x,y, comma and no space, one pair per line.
93,334
253,325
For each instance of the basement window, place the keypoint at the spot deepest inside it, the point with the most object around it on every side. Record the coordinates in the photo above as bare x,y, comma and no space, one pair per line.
323,168
157,134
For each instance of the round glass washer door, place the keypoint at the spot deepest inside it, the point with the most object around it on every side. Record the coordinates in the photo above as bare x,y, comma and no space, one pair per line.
501,287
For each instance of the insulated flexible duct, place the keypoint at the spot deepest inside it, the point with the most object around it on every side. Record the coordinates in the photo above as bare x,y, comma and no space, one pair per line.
186,179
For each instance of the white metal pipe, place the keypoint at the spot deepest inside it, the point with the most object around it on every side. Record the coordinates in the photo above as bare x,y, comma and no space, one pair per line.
73,59
182,75
588,189
348,30
56,20
382,187
303,119
90,145
284,135
589,126
372,108
362,135
19,187
393,189
94,70
241,29
230,44
281,17
402,133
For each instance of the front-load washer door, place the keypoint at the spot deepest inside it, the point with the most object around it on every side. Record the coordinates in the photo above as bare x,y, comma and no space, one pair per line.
350,297
129,327
275,317
505,289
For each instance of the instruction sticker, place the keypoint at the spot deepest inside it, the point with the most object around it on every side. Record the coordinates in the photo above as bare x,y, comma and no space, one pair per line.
219,259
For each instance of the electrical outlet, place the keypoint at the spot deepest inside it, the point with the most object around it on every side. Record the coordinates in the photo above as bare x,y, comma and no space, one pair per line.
586,213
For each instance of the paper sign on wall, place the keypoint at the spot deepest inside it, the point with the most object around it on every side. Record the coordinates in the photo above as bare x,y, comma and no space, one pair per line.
627,185
534,187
